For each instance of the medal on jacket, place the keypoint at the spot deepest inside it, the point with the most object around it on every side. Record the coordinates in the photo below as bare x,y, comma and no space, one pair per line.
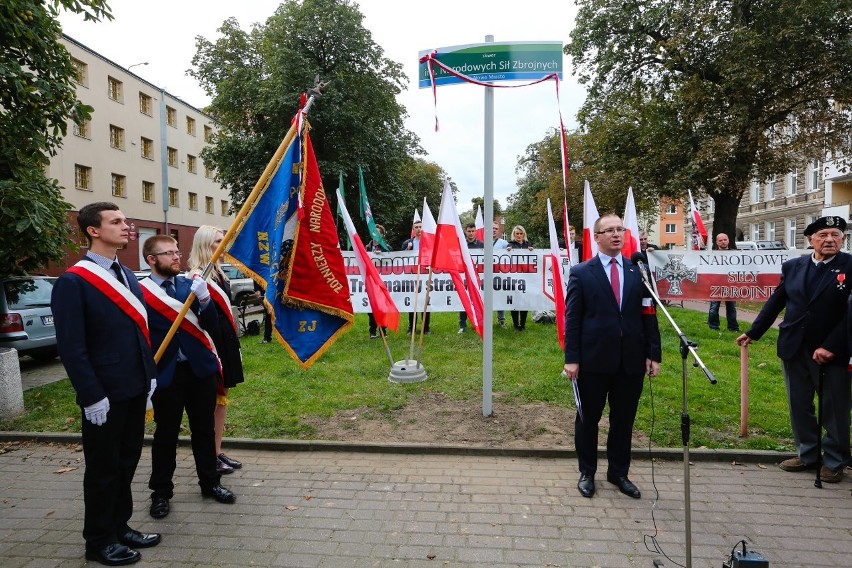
841,280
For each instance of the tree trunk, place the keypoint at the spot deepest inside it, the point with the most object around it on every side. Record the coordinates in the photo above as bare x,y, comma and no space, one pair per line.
725,217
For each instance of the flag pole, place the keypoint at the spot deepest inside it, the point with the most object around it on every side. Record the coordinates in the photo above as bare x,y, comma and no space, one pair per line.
387,347
425,311
244,211
414,319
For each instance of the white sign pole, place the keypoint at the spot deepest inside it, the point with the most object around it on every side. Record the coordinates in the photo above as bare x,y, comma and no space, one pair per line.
488,272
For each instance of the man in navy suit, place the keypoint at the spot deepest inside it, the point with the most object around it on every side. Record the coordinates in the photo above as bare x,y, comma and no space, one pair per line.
103,341
611,342
187,375
812,340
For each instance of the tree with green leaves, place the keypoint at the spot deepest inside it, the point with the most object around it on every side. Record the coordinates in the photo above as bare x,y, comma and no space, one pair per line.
37,98
255,78
708,95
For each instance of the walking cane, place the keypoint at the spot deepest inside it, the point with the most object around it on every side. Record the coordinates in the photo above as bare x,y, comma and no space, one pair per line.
818,481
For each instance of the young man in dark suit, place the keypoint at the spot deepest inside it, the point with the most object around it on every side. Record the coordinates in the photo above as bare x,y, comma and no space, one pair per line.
103,341
812,340
612,341
188,372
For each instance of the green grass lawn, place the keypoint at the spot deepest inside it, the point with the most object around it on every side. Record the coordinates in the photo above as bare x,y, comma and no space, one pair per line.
278,396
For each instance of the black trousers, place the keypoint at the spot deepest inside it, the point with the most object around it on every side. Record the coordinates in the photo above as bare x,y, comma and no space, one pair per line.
112,451
196,395
623,392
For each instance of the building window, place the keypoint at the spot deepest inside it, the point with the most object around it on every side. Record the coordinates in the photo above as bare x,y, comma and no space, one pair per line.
769,230
147,148
190,164
174,198
224,207
171,117
208,205
671,209
770,188
116,137
755,232
193,201
146,104
208,134
119,186
81,129
790,232
190,126
671,228
115,89
755,192
813,175
148,191
173,156
208,171
792,181
81,72
82,177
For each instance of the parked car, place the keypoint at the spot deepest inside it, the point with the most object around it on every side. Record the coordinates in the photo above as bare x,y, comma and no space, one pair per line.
771,245
26,322
242,287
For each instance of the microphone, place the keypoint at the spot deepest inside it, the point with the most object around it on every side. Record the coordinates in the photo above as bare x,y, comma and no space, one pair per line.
639,261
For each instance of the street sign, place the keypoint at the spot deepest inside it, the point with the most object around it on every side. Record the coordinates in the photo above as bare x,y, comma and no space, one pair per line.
489,62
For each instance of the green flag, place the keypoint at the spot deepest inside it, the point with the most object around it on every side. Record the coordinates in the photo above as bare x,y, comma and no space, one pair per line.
339,214
367,214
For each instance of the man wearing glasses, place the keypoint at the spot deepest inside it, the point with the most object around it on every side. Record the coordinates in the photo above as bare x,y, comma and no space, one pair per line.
612,341
814,289
187,374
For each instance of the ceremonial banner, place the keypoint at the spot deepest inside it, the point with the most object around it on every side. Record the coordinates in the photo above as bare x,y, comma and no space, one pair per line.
718,275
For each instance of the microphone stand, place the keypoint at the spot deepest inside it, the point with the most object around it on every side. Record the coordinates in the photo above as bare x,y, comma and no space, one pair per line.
687,347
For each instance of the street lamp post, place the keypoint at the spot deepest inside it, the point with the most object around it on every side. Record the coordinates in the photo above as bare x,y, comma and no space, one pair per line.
129,67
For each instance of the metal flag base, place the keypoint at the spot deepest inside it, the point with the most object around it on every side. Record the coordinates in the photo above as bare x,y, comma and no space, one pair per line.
407,371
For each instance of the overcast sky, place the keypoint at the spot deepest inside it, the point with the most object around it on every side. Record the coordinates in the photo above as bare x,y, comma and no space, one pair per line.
162,33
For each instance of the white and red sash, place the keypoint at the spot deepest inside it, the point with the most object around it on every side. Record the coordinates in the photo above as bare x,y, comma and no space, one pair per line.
107,284
221,299
169,308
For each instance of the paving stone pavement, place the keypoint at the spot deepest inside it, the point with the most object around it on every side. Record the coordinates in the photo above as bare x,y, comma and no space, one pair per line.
424,509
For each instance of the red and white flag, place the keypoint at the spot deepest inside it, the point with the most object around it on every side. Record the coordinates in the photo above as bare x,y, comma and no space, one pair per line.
427,237
590,215
631,224
699,233
384,310
558,287
451,256
566,228
480,225
416,219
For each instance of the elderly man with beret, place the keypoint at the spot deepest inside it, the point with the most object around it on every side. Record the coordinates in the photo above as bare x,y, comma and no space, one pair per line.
814,289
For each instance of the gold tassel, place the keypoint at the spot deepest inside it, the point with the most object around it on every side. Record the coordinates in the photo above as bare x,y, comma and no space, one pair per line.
222,400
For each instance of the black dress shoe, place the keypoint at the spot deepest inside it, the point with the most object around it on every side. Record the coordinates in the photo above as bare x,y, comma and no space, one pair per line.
159,507
220,494
586,485
114,555
230,461
625,486
136,539
222,468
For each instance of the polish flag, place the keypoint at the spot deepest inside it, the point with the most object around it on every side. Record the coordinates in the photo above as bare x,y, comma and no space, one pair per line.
480,225
699,233
451,256
416,219
427,237
590,215
384,310
558,287
566,228
631,224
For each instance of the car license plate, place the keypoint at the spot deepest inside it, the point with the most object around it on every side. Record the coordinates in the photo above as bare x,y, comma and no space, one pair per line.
47,320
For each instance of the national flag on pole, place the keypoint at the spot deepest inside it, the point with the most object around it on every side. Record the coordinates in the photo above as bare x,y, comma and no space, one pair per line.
558,287
590,215
699,233
415,220
566,228
452,256
631,224
384,310
367,214
295,256
342,199
428,228
480,225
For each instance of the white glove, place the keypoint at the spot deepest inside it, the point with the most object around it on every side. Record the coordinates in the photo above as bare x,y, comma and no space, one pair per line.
199,288
97,413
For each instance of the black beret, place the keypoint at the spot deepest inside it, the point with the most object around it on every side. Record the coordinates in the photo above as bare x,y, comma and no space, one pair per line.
830,222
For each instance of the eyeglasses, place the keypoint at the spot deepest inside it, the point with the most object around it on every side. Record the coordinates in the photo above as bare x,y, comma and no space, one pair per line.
169,253
611,231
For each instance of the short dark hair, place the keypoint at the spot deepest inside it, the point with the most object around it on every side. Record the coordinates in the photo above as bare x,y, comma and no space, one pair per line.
90,216
469,225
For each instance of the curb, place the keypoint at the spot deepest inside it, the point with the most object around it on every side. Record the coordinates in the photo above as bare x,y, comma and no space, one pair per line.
668,454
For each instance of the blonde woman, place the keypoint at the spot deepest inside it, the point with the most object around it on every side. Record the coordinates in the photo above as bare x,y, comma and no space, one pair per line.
519,241
206,241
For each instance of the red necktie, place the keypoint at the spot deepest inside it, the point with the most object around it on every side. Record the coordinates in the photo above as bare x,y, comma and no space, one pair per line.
613,279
